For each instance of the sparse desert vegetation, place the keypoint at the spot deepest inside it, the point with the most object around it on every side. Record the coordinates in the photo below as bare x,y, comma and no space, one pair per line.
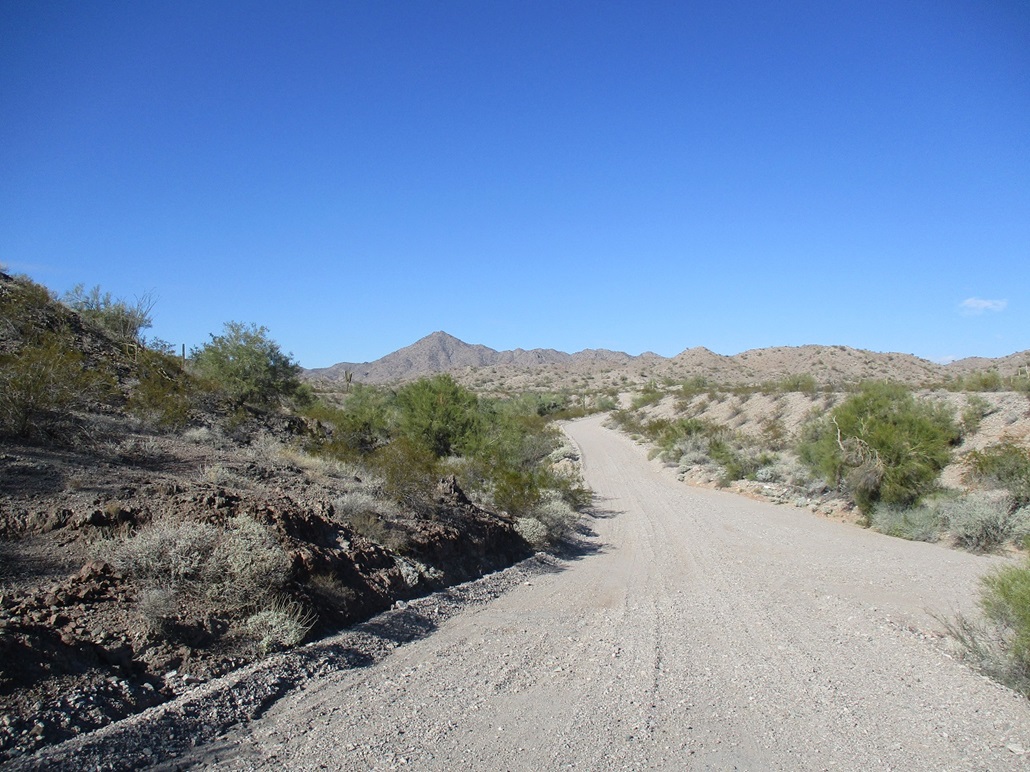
165,519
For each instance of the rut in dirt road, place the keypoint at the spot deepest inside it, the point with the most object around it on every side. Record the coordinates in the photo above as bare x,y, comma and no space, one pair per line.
700,630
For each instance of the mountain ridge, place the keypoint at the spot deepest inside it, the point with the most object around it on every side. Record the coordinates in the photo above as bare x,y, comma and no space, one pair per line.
441,352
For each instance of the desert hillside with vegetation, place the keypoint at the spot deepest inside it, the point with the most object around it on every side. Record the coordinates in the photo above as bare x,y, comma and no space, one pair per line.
166,519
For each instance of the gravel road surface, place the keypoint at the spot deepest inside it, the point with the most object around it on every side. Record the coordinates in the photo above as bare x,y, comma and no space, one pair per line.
696,630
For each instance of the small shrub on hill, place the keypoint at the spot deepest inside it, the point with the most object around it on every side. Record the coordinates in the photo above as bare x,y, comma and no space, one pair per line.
122,319
976,409
162,396
43,382
1003,465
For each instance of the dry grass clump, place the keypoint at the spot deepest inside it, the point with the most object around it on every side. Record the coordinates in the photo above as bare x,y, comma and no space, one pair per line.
980,521
187,569
281,625
984,521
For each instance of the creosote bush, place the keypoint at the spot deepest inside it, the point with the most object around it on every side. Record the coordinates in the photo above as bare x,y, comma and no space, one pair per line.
43,382
1004,465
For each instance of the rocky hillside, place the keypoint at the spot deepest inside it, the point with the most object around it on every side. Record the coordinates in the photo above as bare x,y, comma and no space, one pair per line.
140,557
484,367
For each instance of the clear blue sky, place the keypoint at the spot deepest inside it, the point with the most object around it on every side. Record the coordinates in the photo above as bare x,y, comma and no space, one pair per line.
627,175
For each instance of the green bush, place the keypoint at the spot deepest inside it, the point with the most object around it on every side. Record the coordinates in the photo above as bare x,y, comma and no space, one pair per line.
438,414
43,382
162,396
1005,600
650,394
410,471
800,382
357,428
247,366
1000,644
882,444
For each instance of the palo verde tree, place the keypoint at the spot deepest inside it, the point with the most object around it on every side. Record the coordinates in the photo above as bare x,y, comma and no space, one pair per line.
248,366
883,444
438,414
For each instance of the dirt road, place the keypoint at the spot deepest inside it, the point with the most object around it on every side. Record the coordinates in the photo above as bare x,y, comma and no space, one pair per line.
698,630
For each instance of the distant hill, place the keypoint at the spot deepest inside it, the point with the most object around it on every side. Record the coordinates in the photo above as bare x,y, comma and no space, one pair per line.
440,353
520,369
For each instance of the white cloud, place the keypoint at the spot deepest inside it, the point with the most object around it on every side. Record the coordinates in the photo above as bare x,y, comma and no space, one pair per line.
976,306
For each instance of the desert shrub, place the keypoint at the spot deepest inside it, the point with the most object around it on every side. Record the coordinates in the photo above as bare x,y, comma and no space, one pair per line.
247,564
976,409
919,523
738,461
282,624
690,451
533,531
799,382
784,470
1003,465
999,644
43,382
984,521
23,308
181,564
247,366
882,444
984,380
162,396
409,471
166,553
512,462
358,427
650,394
438,414
556,515
158,607
361,501
122,319
1005,599
774,434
